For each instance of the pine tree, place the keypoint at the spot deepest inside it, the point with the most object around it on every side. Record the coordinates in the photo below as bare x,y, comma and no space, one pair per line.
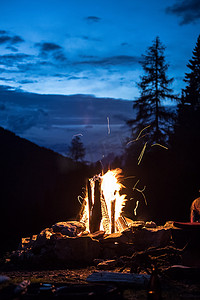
76,150
192,90
154,87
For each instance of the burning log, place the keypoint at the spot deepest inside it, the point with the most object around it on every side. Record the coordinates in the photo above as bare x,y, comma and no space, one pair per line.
113,216
103,204
89,193
96,211
121,224
105,215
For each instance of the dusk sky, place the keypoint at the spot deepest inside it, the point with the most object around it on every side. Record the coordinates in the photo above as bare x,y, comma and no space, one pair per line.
88,47
92,46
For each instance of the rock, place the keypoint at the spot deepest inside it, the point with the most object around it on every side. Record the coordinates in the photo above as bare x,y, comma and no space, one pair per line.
70,228
97,235
4,279
151,237
134,224
42,238
182,272
27,242
150,224
107,264
117,237
77,249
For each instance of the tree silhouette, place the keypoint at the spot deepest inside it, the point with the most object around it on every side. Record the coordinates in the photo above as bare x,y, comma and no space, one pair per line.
154,87
76,150
192,90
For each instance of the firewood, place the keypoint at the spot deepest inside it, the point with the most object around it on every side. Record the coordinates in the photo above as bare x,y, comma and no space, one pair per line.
120,278
96,211
89,193
113,216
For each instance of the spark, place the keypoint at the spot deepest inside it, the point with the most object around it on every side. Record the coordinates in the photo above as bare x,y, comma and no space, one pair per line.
135,209
78,134
108,120
140,191
156,144
139,135
142,153
79,199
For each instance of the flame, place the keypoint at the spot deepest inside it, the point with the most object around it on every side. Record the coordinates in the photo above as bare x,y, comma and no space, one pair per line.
112,202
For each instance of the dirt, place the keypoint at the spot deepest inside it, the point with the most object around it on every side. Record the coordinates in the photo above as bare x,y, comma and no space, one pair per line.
69,278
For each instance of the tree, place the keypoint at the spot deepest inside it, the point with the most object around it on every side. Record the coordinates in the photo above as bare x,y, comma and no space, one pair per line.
76,150
154,87
192,90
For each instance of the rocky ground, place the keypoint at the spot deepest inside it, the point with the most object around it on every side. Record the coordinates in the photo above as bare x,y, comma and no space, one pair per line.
56,263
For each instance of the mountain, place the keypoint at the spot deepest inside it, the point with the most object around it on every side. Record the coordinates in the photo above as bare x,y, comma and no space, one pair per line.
38,187
51,121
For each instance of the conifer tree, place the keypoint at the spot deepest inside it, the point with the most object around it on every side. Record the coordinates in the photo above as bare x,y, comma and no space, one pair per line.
76,150
154,87
192,90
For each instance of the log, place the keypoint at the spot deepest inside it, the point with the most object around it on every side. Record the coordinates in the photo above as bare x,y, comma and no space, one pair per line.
120,278
89,193
112,207
105,215
96,211
121,223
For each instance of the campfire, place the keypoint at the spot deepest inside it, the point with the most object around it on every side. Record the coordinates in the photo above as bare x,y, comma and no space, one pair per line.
103,203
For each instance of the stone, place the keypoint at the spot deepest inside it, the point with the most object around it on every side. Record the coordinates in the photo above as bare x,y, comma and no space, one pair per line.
77,249
27,242
70,228
107,264
150,224
42,238
117,237
4,279
151,237
97,235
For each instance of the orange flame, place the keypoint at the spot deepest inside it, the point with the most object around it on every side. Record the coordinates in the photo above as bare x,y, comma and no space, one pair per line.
110,197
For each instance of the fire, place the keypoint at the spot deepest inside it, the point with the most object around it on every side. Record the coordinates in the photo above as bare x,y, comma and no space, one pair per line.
104,202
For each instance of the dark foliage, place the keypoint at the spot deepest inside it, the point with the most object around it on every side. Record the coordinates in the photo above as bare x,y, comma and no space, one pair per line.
192,90
76,150
154,87
38,188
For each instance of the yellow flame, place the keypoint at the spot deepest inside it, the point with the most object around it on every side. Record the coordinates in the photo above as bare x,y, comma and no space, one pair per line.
110,193
111,188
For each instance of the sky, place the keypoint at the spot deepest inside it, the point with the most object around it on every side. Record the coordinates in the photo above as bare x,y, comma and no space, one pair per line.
89,51
92,47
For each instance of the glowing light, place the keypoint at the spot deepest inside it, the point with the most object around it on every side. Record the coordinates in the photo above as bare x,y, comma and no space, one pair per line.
112,202
136,206
108,120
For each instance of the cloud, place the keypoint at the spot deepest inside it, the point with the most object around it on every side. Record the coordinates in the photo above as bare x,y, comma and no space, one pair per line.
3,32
12,40
11,60
26,81
48,47
113,60
124,44
187,10
51,49
21,123
92,19
88,38
77,77
13,49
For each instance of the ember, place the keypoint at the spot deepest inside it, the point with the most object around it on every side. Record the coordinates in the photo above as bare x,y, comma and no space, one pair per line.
104,204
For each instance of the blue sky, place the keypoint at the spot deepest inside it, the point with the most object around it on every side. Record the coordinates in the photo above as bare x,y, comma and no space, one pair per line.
92,47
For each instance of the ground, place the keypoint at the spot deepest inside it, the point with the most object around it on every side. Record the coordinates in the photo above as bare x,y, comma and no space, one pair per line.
171,289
